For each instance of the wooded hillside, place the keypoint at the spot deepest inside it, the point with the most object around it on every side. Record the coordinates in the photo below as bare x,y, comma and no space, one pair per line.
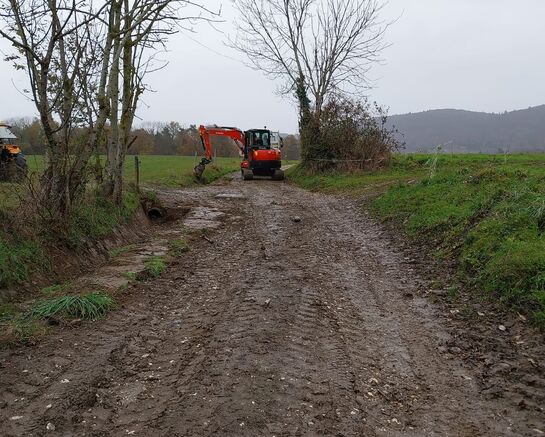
466,131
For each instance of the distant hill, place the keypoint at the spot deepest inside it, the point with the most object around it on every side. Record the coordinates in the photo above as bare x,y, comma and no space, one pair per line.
466,131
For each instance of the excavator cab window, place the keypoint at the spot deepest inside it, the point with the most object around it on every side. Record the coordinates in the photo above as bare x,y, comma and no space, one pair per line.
259,139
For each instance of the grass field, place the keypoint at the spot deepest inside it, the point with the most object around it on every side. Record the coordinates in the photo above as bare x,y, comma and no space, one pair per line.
169,171
162,170
487,212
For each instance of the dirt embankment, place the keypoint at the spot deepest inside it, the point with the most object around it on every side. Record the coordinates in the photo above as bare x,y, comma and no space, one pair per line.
294,316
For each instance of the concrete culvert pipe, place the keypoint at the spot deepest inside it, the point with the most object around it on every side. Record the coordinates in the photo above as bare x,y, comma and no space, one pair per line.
155,213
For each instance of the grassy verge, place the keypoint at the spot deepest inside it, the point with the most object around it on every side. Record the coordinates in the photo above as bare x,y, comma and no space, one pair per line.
97,217
24,250
18,258
402,168
485,212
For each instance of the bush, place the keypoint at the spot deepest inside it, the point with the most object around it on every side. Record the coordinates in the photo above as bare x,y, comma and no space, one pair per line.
347,135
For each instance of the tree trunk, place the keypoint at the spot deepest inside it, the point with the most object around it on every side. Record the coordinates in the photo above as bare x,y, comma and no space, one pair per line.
308,125
113,98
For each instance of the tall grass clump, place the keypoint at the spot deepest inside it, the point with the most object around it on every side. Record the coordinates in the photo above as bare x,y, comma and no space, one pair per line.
179,246
155,266
86,306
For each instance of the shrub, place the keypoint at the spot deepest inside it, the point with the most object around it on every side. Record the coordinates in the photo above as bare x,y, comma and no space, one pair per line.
348,135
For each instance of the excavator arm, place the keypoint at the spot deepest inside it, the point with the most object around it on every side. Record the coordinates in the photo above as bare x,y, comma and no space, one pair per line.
205,132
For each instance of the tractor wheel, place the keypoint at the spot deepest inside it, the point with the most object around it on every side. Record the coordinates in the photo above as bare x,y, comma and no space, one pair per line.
21,168
247,174
278,175
9,171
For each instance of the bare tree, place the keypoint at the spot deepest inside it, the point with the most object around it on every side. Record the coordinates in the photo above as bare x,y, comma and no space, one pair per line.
51,42
314,46
86,65
138,30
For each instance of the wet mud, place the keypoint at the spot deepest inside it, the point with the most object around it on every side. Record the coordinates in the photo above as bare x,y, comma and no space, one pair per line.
295,316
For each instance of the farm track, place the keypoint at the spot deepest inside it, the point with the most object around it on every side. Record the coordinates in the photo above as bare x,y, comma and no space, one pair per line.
274,327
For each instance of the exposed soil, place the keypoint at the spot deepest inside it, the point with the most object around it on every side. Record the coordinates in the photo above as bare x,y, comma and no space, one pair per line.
293,315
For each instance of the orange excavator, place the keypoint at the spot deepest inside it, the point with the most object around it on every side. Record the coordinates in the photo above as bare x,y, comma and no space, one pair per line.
259,158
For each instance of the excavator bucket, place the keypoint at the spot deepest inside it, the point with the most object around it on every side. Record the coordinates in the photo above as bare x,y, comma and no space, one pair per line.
200,167
199,170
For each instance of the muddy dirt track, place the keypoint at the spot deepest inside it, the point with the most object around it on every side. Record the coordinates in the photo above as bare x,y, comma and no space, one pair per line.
272,326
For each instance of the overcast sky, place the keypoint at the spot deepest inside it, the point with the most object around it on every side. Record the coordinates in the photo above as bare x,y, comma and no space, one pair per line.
481,55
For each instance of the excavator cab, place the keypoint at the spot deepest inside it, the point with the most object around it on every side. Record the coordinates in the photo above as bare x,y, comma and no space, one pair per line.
258,139
261,158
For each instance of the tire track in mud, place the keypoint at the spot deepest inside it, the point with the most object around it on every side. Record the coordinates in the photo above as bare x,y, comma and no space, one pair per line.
280,327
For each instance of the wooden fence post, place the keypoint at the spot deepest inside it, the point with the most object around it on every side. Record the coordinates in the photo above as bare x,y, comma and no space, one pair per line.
137,171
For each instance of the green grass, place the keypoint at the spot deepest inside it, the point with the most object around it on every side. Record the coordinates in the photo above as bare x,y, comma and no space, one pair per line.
176,171
18,258
155,266
114,253
158,169
55,289
98,217
131,276
486,212
402,168
86,306
179,246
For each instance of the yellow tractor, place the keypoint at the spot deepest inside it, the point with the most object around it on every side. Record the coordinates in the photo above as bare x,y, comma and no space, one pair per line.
13,165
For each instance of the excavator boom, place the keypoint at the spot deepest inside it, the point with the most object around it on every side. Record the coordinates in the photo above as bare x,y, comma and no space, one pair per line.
232,132
205,132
